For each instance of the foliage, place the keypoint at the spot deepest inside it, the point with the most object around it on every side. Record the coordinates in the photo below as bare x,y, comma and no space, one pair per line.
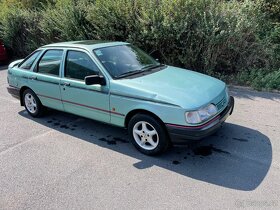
272,7
260,79
66,21
19,30
217,37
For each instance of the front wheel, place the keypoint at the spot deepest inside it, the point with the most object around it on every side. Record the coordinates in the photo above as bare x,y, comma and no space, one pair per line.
148,135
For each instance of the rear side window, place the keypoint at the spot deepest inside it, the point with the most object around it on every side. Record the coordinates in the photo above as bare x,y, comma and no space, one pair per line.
79,65
50,62
27,64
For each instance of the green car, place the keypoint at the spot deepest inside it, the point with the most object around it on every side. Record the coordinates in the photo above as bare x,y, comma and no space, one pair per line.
119,84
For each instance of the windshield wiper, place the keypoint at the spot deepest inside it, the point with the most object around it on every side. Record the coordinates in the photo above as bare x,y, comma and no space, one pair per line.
146,68
152,66
128,73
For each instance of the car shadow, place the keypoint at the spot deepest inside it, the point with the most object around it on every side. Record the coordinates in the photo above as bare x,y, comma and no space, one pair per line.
235,157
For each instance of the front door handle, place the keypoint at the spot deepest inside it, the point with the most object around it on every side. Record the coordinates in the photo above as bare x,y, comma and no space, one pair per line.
33,77
66,84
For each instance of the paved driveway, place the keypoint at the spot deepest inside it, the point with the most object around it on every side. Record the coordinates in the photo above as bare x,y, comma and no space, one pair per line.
62,161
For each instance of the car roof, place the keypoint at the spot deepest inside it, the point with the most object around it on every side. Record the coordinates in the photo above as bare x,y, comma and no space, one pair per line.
85,44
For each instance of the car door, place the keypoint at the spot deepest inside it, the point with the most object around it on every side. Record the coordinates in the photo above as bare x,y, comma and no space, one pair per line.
45,81
91,101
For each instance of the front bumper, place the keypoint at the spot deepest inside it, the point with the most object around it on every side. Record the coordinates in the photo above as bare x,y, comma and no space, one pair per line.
180,134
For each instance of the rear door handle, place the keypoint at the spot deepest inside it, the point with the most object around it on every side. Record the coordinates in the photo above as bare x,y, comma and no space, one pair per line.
33,77
66,84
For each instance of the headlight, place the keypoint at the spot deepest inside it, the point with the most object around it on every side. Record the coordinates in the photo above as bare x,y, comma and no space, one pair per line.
201,115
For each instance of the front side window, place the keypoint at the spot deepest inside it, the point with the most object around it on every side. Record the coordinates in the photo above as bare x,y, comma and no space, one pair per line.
78,65
50,62
123,60
27,64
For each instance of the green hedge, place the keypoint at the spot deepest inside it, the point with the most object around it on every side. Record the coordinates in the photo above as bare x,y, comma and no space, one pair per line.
217,37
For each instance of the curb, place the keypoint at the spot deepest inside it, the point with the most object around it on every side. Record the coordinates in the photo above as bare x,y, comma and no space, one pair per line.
252,89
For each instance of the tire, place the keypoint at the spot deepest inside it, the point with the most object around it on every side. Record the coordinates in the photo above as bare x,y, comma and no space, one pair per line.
32,103
148,135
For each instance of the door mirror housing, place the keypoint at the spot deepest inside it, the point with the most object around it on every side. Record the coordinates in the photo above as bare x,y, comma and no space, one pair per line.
95,80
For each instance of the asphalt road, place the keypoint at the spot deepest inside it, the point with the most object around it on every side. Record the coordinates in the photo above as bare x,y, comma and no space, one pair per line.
63,161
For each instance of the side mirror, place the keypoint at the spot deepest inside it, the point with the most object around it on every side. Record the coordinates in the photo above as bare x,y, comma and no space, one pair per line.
95,80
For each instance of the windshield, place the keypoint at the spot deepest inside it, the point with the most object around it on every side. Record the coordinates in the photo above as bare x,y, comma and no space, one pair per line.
124,60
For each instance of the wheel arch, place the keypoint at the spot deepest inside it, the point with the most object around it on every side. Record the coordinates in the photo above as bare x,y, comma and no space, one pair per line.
140,111
22,89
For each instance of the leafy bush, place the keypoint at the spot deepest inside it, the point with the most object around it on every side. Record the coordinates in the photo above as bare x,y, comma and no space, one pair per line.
272,7
201,35
19,31
260,79
66,21
112,20
221,38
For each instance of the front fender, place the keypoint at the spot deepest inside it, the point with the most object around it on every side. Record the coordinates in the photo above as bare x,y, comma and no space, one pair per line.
125,105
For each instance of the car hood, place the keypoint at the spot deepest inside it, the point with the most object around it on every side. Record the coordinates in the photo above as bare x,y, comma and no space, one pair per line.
174,86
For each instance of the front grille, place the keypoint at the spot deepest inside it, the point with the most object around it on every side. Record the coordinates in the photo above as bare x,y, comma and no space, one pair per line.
221,104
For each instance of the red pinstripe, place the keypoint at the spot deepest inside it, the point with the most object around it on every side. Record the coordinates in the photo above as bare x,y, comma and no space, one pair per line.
195,127
90,107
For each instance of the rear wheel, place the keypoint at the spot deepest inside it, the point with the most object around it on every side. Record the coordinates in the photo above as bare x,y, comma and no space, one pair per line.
32,103
148,135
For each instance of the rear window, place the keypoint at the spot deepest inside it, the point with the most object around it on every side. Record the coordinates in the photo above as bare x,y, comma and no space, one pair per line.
28,62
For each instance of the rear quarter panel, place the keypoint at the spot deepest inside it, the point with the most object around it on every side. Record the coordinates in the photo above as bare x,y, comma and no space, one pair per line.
18,77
